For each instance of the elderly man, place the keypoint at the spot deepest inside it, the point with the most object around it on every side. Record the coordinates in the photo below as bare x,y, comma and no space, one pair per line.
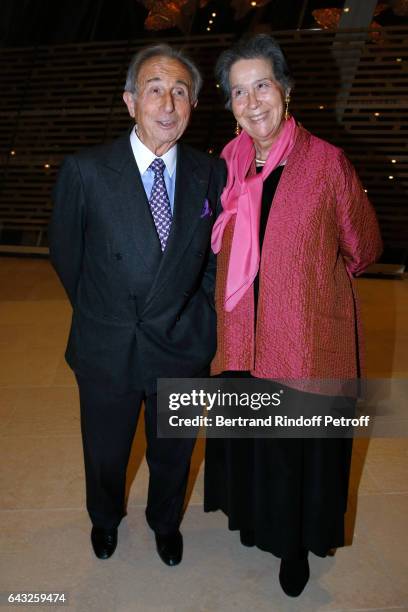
129,239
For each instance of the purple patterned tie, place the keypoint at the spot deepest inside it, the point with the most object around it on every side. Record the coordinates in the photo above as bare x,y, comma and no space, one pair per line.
160,203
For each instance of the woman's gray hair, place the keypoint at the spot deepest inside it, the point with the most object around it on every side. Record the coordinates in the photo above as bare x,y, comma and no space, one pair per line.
165,51
260,46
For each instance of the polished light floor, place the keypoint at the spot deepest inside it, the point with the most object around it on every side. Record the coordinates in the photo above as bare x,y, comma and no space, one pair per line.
44,540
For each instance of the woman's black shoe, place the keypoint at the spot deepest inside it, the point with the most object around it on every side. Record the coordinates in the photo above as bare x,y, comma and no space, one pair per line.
247,537
294,575
104,542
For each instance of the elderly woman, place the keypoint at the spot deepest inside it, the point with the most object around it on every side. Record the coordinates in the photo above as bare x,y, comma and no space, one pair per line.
296,227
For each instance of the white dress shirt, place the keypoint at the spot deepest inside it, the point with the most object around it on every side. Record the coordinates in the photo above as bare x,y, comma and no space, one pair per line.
144,157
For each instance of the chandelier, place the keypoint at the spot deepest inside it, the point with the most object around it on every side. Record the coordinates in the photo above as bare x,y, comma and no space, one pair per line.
164,15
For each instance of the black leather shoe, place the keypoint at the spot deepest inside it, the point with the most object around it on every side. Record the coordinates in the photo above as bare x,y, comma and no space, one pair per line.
170,547
294,575
247,537
104,542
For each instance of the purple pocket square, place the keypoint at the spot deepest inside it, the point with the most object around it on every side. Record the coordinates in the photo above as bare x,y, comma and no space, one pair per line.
207,210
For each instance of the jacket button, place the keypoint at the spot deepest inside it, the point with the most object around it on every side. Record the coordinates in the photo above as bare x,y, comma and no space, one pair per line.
200,253
186,294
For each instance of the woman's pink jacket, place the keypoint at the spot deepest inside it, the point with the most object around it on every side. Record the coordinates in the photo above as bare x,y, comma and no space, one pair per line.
321,232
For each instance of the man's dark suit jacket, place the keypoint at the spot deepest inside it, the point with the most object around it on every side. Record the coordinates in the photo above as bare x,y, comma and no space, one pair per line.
138,314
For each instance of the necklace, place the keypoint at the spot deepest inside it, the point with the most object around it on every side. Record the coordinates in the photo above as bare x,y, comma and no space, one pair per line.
260,162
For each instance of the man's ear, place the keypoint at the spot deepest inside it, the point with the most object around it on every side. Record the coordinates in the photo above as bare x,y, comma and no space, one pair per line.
129,100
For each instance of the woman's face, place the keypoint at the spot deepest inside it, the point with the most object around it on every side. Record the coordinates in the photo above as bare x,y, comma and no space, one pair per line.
257,100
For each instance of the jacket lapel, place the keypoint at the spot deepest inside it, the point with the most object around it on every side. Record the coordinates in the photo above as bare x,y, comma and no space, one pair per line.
289,178
124,182
190,193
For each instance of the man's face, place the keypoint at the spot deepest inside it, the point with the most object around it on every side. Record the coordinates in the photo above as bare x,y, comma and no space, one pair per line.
162,105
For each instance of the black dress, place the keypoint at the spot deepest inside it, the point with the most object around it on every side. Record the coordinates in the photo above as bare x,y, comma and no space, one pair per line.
289,493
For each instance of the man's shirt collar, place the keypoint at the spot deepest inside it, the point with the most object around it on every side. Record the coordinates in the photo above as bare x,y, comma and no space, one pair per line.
144,156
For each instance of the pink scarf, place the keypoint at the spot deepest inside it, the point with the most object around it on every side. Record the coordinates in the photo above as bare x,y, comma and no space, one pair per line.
242,197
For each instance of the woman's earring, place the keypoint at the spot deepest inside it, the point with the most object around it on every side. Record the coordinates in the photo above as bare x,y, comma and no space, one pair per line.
287,100
237,129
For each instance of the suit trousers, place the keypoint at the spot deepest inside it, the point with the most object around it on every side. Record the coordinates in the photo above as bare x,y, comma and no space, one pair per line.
108,424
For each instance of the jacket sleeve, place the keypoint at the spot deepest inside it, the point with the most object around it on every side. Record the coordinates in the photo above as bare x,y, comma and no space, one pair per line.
359,233
220,177
67,226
